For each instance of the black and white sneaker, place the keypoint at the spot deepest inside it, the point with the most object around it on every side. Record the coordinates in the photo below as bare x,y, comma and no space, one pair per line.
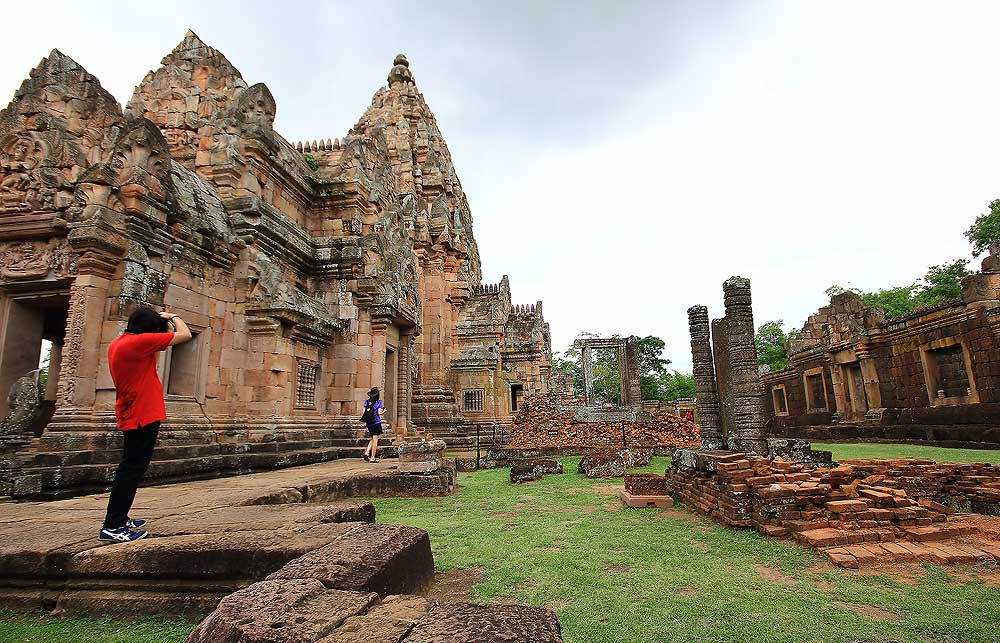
135,525
120,535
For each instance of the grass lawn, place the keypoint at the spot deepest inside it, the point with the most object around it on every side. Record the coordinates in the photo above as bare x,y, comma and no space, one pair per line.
615,574
875,450
31,628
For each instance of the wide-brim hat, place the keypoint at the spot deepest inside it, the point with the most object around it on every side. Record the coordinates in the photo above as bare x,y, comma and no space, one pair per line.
374,391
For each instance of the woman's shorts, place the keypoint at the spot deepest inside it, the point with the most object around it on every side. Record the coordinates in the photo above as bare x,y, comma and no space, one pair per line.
375,429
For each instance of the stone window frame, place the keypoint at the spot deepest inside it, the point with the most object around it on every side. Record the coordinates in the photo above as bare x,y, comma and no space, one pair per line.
297,401
931,384
774,399
200,339
480,398
805,385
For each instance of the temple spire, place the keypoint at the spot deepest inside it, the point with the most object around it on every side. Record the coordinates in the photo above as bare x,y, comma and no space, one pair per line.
400,72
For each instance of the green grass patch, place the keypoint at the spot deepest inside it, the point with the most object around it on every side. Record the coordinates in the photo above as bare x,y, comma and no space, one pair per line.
35,628
616,574
876,450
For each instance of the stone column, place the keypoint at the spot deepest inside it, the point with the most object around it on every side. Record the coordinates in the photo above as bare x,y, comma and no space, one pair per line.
588,375
869,373
81,355
404,381
707,394
622,376
748,408
632,385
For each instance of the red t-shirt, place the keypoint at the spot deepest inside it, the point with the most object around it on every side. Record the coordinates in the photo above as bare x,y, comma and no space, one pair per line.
132,361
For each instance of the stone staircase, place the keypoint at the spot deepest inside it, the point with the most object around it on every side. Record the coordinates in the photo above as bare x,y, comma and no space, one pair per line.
435,409
66,461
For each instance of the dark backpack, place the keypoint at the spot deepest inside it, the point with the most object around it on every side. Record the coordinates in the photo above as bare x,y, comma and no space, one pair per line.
369,415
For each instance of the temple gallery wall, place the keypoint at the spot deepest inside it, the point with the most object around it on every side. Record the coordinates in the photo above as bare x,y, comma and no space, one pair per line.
309,273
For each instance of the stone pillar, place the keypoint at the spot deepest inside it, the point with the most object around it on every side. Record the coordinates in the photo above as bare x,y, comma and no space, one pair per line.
869,374
630,377
704,379
404,381
81,355
748,408
588,374
622,376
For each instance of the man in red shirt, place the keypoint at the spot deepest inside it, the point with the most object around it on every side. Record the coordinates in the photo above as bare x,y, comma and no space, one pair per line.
139,410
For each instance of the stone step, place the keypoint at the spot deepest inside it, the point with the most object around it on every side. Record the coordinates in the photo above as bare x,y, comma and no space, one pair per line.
74,480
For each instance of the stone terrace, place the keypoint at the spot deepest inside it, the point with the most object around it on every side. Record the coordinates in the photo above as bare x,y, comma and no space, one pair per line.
247,541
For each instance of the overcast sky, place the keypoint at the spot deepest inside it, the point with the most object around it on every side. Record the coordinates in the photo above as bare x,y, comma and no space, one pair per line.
623,159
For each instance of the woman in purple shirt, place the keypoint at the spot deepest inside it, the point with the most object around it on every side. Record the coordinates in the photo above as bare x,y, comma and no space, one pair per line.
374,423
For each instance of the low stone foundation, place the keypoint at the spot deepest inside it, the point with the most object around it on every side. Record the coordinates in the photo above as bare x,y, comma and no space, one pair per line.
862,512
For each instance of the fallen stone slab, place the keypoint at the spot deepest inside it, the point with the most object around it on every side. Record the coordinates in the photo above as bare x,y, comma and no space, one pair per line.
386,559
468,623
607,464
305,611
388,621
281,611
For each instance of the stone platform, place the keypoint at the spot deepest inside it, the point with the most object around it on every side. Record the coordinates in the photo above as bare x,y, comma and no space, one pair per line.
209,538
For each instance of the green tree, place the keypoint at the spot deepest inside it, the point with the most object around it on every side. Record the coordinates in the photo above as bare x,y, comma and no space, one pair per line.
985,231
770,341
942,283
677,385
939,284
607,379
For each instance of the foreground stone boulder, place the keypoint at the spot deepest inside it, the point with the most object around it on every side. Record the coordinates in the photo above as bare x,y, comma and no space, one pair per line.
525,472
386,559
281,611
421,456
305,611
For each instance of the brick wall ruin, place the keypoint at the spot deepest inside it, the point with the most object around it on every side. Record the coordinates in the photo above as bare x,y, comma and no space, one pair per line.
929,376
308,272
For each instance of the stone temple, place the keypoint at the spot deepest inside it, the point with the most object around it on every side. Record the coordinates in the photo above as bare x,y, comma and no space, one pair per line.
309,272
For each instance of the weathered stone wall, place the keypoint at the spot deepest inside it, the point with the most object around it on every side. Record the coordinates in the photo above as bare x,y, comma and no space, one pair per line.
888,372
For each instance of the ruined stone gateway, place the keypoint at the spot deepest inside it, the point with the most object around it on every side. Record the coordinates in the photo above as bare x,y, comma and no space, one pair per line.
308,272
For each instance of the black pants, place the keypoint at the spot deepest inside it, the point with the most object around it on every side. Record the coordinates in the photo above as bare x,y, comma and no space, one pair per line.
138,452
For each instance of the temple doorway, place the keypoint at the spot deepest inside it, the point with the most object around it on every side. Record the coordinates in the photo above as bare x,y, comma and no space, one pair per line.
854,389
32,331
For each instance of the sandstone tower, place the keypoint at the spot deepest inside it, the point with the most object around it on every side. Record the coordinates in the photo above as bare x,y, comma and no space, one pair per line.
309,273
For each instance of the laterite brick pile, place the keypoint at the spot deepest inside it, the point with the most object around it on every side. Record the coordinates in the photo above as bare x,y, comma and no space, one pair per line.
860,513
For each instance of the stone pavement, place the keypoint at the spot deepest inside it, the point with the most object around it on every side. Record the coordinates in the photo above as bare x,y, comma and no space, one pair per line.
289,557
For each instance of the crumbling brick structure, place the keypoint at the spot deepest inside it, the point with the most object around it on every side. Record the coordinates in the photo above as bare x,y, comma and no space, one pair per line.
308,272
929,376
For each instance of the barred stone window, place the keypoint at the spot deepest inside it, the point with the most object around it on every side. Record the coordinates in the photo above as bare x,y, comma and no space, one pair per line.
305,384
474,399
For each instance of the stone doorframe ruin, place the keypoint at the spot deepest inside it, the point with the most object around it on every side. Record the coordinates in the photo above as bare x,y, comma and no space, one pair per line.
627,351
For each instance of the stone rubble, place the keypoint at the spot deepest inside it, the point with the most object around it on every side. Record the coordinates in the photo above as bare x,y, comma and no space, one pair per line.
860,513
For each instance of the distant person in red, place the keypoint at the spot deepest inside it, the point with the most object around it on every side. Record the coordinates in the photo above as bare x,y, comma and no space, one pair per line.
688,415
139,410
